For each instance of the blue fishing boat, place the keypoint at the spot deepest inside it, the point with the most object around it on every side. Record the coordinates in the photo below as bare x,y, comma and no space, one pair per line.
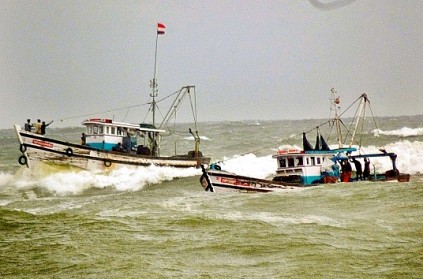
313,165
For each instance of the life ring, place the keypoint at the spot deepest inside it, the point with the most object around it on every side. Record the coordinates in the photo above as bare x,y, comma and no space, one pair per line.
22,148
107,163
69,152
22,160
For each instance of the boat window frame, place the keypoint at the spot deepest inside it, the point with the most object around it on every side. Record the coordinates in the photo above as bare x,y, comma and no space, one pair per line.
300,161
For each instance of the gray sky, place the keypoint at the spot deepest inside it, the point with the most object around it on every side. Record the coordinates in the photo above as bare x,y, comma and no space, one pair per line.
249,60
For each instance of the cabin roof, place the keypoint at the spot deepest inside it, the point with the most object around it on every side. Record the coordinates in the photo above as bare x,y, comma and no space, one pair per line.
111,123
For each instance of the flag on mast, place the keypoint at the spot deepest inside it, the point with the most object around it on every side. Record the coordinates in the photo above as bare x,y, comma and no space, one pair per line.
160,28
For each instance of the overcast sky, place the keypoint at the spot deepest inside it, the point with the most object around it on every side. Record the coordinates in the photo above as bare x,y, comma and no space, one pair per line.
249,60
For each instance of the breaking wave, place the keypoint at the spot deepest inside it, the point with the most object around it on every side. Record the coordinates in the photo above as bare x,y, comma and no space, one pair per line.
403,132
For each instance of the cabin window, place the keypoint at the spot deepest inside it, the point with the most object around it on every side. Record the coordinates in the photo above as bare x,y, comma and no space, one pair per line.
282,163
308,161
95,130
113,131
100,130
313,161
291,162
119,131
319,161
108,130
299,161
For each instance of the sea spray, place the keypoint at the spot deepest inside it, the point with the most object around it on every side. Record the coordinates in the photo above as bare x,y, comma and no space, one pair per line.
75,182
408,160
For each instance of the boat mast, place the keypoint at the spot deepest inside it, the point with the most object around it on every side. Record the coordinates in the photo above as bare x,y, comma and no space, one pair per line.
153,82
360,115
335,102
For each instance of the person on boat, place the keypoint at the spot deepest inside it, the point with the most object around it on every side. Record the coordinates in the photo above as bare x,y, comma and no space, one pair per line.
346,171
366,172
38,127
358,169
44,126
83,139
118,147
126,142
335,169
28,125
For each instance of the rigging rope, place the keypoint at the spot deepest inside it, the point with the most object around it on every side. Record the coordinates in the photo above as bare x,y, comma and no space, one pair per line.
359,143
119,109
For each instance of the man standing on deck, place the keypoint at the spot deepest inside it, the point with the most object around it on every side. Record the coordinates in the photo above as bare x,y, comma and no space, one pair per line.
38,127
28,125
346,171
366,172
44,126
358,170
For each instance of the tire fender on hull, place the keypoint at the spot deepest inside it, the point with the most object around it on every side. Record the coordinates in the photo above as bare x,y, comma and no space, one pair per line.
69,152
107,163
22,148
22,160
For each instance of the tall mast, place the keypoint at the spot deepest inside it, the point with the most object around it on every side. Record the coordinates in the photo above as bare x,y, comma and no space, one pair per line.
153,83
335,102
360,115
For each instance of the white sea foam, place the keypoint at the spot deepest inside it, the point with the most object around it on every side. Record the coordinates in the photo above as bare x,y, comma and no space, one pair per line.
403,132
250,165
5,178
122,179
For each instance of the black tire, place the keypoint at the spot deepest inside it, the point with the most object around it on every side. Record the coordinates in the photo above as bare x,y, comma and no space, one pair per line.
22,160
22,148
107,163
69,152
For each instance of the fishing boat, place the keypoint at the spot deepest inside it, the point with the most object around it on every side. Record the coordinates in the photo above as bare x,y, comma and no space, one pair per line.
214,179
319,164
107,144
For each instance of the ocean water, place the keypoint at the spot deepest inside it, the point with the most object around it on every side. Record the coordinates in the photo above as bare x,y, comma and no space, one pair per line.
159,223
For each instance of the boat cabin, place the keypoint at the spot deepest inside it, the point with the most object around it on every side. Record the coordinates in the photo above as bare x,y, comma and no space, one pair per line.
298,166
106,134
307,167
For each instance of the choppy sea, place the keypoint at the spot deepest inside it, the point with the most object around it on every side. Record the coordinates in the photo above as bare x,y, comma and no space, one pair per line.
159,223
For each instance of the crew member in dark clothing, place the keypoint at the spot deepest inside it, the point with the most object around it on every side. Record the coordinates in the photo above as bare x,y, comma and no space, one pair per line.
358,170
83,139
28,125
366,172
44,126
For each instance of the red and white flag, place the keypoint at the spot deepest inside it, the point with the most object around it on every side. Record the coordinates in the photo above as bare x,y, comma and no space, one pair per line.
160,28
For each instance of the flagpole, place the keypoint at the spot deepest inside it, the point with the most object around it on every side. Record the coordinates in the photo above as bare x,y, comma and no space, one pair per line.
154,83
155,149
